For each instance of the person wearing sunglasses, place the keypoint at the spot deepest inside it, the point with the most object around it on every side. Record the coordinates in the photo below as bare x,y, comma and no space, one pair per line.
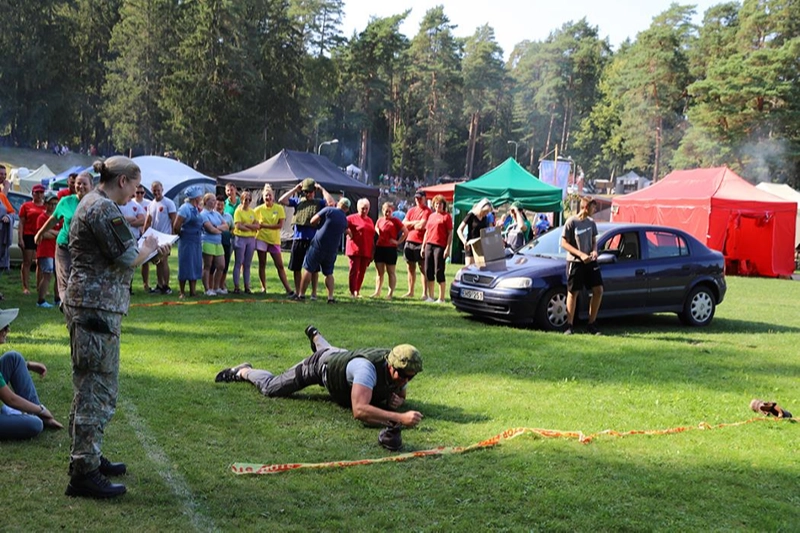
371,382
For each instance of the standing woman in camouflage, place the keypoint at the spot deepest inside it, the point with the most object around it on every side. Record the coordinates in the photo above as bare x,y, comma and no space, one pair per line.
104,254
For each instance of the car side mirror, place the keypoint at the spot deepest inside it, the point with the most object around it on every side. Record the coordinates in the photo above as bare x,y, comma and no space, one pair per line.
606,258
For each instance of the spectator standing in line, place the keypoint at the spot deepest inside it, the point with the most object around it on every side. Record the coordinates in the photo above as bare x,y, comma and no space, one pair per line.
189,225
245,228
391,233
7,217
270,217
305,207
415,222
161,215
61,219
213,254
70,188
232,200
142,204
542,225
227,247
436,246
332,223
5,185
46,251
360,244
28,216
579,239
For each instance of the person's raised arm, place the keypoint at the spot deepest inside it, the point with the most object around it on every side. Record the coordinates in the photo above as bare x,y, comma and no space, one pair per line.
48,225
288,194
360,396
328,198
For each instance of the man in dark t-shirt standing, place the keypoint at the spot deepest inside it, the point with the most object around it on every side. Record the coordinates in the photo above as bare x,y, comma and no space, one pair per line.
332,222
579,239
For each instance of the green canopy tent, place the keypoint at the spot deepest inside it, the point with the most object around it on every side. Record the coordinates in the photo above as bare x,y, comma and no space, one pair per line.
506,183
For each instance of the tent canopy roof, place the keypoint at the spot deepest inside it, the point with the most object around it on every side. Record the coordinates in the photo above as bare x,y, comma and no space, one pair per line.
172,174
288,167
509,182
701,186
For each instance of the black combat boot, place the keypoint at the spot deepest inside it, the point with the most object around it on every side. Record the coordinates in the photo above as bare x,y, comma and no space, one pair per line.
107,468
93,485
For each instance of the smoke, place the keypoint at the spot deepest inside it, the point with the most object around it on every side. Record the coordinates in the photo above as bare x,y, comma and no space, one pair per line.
766,160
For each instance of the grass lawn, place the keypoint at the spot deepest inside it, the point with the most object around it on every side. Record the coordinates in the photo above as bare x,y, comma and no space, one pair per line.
179,431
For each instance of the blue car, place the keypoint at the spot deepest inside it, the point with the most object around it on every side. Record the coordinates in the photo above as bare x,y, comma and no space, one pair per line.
646,269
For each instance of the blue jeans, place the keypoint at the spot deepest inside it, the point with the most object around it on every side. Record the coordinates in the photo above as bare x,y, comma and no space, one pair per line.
15,373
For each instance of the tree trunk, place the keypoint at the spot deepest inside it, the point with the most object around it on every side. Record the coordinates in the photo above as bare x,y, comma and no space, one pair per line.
474,121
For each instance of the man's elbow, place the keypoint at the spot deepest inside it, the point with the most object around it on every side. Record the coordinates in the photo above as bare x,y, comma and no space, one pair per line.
360,414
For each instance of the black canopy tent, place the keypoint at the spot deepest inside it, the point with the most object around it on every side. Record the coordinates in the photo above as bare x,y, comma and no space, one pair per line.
288,168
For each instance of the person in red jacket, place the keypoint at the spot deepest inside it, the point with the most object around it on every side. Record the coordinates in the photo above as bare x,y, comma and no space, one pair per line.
28,217
46,251
360,244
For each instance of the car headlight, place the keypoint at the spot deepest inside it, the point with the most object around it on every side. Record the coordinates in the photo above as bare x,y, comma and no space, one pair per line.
515,283
459,274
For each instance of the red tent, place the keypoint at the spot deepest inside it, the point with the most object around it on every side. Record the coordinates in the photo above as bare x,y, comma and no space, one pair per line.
752,228
445,189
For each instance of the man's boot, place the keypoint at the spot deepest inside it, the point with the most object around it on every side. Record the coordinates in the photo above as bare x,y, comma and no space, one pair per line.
93,485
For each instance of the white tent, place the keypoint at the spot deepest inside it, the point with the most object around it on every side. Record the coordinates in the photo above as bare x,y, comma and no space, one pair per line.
787,193
173,175
23,180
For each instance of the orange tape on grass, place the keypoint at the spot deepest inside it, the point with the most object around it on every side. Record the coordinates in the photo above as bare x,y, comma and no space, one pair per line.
255,468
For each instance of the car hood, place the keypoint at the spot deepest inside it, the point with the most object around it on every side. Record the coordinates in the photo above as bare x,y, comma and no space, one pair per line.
516,266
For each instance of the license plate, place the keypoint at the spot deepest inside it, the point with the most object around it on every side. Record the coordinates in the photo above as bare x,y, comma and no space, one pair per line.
472,295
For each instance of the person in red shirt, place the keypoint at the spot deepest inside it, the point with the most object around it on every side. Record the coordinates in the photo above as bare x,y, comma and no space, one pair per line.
415,221
28,217
46,251
391,232
436,246
360,242
70,189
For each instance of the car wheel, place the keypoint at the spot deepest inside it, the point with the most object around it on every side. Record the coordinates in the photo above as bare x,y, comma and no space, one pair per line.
552,312
699,307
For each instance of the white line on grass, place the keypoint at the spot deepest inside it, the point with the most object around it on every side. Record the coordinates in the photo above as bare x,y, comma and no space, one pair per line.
172,478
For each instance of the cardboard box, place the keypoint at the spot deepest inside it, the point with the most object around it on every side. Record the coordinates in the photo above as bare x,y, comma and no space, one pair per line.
488,247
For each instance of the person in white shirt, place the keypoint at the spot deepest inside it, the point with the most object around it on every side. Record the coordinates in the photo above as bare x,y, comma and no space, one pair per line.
161,215
143,203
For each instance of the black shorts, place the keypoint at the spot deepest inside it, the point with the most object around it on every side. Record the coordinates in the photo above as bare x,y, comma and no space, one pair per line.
299,249
29,242
583,275
434,263
411,252
386,254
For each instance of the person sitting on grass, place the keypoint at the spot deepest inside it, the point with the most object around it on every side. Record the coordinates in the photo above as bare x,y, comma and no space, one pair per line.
370,381
22,416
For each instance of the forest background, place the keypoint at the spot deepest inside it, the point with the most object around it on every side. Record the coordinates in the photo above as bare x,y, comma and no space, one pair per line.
224,84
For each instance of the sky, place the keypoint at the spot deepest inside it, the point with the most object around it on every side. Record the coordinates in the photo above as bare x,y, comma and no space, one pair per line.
517,20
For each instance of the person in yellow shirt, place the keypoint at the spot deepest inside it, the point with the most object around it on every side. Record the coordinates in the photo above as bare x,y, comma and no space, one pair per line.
270,216
245,228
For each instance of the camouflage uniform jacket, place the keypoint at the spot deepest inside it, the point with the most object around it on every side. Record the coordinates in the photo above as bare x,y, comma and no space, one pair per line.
99,237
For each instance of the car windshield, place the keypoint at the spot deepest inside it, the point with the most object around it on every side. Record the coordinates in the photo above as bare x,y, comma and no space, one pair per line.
548,245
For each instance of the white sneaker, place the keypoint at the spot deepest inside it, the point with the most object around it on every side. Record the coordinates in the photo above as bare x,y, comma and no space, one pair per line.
439,301
427,299
210,292
222,291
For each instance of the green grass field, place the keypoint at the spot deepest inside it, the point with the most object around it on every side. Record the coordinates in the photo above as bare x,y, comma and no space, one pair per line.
179,431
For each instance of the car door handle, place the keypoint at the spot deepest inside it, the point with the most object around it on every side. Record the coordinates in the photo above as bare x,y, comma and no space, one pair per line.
640,272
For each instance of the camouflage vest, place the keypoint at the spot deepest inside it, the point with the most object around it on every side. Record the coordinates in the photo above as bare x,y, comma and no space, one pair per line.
338,387
304,211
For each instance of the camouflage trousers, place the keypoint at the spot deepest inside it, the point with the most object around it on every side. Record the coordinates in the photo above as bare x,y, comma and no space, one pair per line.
94,344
